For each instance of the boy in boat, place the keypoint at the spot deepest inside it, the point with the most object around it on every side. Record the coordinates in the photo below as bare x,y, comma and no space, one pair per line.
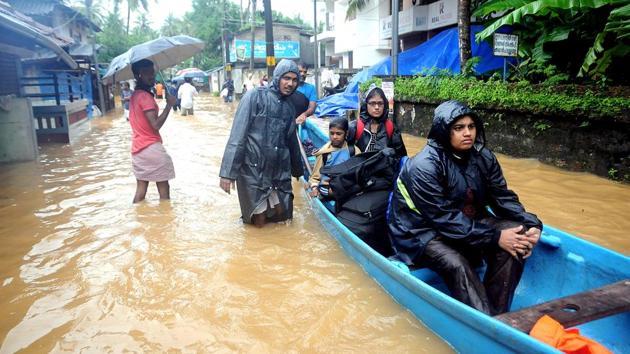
438,217
332,153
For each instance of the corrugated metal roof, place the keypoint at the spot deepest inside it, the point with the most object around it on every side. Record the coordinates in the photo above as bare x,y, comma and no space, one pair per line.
23,20
45,7
34,7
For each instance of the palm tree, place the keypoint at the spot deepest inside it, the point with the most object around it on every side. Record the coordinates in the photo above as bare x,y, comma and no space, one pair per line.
355,6
133,5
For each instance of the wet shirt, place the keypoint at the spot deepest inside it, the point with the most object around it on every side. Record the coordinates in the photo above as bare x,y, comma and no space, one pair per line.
186,93
143,133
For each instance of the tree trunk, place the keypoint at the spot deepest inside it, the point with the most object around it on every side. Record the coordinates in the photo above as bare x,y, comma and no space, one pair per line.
463,26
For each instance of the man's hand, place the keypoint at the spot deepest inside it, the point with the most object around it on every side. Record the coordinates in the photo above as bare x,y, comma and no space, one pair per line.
314,191
171,100
533,235
226,184
300,119
515,243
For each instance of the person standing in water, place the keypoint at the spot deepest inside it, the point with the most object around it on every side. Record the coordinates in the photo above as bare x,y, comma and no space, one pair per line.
150,161
262,151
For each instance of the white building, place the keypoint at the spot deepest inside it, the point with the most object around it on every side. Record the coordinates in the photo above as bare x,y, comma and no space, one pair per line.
365,39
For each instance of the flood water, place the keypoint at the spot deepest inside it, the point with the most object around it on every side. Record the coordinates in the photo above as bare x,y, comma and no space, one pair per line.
84,270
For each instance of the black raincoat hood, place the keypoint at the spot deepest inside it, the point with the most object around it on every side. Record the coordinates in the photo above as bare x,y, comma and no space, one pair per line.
445,115
364,112
283,67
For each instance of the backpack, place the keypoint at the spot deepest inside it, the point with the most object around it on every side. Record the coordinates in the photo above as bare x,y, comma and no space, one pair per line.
364,215
389,128
370,171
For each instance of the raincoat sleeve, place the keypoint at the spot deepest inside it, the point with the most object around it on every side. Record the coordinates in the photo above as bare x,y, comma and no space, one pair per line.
503,201
235,147
430,200
297,168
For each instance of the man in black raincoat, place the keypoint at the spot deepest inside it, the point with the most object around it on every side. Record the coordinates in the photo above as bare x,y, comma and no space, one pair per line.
439,218
263,152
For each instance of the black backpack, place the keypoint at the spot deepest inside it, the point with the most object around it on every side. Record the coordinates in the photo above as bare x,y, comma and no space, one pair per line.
365,216
370,171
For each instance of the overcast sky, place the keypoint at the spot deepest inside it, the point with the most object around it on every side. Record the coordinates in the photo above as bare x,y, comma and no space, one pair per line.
160,10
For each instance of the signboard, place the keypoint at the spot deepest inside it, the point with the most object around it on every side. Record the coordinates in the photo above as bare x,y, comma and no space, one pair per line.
388,88
442,13
505,45
241,49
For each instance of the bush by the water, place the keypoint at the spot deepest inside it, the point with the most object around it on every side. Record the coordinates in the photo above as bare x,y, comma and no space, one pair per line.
565,100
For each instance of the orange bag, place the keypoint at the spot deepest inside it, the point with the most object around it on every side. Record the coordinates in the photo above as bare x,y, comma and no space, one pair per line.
569,341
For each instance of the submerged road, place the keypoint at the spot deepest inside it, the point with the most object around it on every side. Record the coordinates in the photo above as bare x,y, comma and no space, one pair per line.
84,270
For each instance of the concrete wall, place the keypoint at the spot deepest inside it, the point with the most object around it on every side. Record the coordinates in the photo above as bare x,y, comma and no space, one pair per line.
601,147
17,133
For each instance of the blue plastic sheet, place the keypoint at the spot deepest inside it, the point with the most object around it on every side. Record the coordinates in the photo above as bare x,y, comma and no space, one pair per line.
440,52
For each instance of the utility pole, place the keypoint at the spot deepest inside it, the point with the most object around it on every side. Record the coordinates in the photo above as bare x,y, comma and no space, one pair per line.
394,37
225,53
316,51
251,57
271,57
99,84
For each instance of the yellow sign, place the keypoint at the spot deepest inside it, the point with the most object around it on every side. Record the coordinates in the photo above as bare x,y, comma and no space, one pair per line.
228,67
271,61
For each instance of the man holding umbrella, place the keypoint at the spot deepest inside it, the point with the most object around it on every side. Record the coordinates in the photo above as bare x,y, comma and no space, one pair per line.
151,162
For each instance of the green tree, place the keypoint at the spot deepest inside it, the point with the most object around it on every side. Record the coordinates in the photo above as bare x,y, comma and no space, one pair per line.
112,37
594,30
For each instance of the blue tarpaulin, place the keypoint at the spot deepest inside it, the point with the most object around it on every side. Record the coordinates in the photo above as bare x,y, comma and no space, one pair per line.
440,52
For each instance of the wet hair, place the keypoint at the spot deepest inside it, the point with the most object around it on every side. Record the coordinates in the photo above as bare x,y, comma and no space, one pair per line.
188,79
141,64
339,122
302,64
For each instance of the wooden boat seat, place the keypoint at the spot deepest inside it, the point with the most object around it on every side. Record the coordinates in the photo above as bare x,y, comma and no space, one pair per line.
575,309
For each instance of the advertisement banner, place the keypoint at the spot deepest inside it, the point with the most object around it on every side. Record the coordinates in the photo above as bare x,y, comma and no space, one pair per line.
241,49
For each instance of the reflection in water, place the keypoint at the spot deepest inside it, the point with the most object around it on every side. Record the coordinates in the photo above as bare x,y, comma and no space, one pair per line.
82,269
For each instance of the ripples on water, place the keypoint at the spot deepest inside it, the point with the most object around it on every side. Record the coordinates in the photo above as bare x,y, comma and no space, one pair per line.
82,269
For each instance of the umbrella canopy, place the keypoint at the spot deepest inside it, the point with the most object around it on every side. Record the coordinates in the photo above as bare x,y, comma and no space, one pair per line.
190,71
164,52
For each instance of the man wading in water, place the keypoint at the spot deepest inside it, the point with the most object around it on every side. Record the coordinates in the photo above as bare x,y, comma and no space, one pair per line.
263,152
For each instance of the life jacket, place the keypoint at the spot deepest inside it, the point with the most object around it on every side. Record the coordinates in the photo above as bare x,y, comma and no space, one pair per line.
389,128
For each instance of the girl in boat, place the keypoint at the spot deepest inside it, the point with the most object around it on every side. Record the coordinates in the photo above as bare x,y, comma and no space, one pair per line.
332,153
374,131
438,217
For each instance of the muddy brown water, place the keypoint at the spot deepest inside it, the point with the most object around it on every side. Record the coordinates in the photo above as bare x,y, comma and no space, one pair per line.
84,270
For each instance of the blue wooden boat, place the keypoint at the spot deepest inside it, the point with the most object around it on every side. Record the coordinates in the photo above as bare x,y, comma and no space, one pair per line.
562,265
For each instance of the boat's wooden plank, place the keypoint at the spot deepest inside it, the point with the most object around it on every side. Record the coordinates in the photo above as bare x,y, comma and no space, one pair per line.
575,309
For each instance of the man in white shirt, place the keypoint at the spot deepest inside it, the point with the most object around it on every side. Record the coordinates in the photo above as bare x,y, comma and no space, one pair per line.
186,93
